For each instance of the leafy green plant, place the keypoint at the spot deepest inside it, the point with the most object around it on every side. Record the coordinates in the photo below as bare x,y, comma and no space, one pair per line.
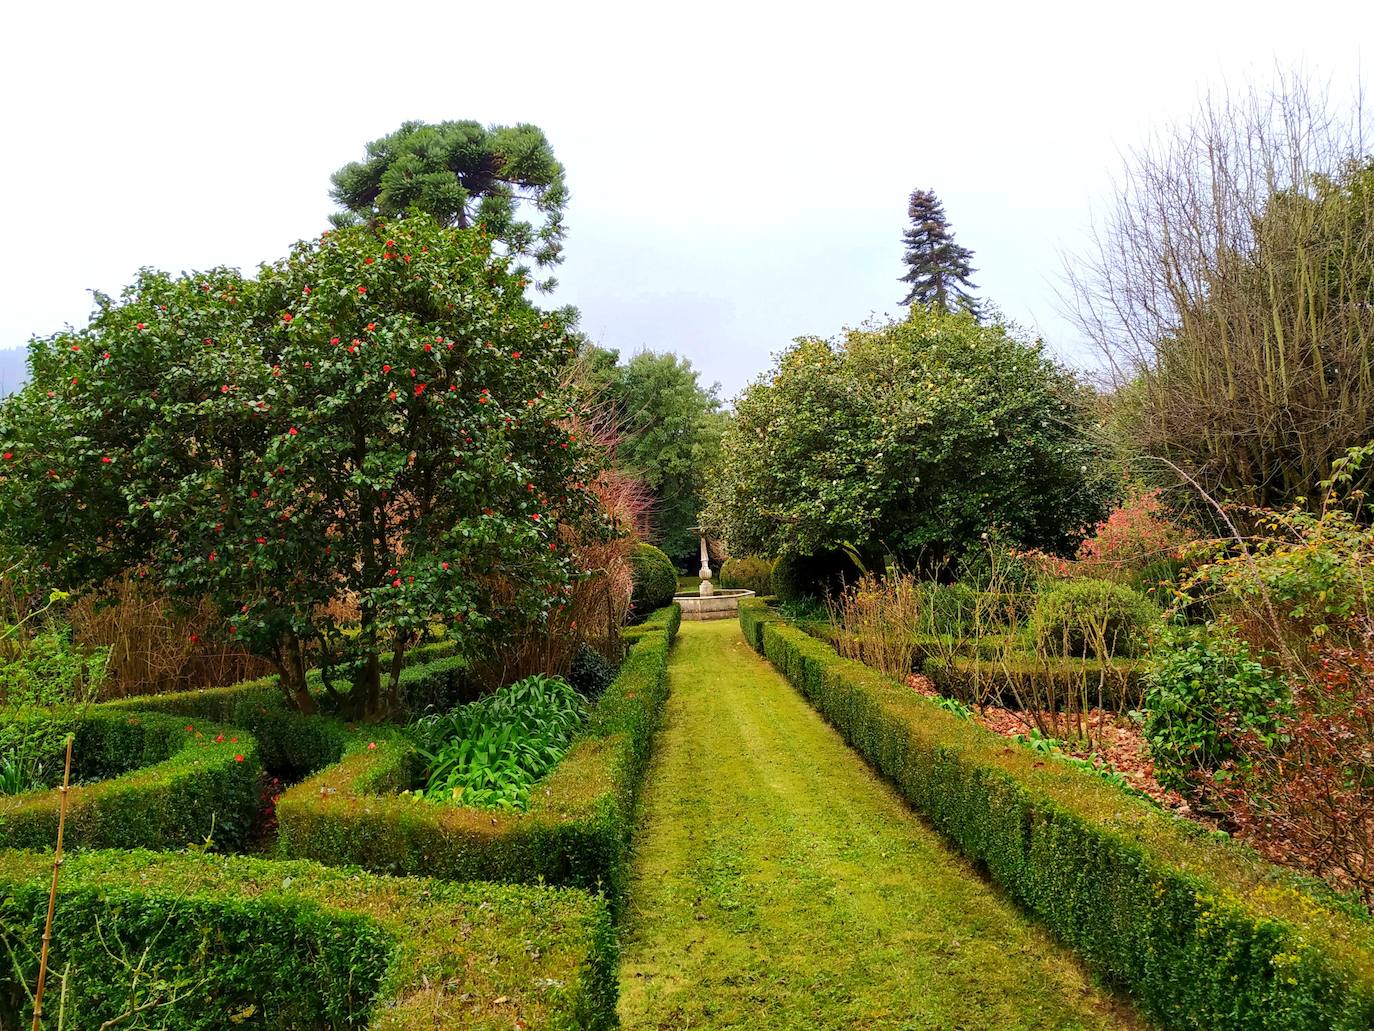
591,672
490,752
749,574
1205,692
655,579
1092,618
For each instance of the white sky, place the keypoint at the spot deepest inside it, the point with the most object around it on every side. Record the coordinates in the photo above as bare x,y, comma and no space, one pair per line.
739,172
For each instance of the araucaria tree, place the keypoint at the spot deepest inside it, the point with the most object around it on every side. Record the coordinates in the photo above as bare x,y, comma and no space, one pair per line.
909,440
938,269
463,174
376,420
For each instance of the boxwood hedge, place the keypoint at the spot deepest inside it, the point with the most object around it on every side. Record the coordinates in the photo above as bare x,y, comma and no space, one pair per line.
575,832
1199,930
1011,679
224,942
141,779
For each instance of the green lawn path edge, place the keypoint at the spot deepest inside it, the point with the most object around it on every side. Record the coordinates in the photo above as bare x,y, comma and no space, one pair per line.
779,882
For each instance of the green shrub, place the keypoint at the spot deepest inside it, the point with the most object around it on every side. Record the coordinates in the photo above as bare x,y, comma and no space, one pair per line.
747,574
655,579
953,609
1034,681
1200,931
214,943
489,753
141,780
575,831
591,672
1093,618
800,577
1204,691
48,669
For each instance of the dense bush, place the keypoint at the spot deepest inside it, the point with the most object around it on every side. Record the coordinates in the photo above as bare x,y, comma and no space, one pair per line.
748,574
1093,618
591,672
213,943
1205,691
912,438
490,752
655,579
576,830
1200,932
798,577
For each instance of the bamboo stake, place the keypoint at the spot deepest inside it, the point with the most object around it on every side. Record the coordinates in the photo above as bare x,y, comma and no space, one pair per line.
52,893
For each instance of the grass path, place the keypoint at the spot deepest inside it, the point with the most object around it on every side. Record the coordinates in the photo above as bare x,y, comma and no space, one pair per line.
779,883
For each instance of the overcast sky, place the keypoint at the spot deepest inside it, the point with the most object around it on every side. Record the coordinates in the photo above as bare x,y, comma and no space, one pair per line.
739,172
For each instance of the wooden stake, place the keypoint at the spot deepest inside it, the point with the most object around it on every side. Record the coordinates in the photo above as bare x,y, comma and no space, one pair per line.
52,893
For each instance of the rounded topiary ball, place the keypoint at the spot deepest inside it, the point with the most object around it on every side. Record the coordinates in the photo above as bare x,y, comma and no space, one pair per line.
1092,618
749,574
655,579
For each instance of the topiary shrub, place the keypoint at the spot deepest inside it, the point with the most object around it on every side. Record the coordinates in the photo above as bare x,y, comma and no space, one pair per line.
796,577
655,579
1092,618
749,574
1205,692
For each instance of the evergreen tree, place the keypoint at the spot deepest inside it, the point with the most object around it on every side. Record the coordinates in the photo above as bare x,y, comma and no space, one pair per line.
938,269
462,174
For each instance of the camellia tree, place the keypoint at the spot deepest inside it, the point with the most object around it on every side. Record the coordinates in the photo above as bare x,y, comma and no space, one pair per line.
909,440
376,420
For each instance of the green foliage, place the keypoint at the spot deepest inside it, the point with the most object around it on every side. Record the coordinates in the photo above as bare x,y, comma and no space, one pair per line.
48,669
253,441
462,174
1204,692
576,830
655,579
1193,927
1001,676
196,942
911,440
668,428
939,271
953,609
1093,619
142,780
490,752
749,574
591,673
800,577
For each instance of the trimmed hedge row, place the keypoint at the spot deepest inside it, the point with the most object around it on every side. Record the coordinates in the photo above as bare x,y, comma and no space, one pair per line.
575,832
140,780
235,942
1200,931
1017,679
290,743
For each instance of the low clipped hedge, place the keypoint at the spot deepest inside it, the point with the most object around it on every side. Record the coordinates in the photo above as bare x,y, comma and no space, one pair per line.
140,780
575,832
292,744
1200,931
247,943
1023,679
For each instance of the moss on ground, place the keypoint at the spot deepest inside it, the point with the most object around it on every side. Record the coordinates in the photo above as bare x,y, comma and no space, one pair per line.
778,882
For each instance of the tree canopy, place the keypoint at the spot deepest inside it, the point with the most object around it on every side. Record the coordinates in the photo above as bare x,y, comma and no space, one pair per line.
911,440
939,271
462,174
375,422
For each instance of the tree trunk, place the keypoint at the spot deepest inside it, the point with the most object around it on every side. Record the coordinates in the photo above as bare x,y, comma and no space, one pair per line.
290,662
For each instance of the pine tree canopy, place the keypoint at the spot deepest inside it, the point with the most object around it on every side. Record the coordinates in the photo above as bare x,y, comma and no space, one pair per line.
938,269
462,174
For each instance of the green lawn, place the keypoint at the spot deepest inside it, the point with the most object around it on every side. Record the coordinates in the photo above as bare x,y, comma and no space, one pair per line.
690,584
779,883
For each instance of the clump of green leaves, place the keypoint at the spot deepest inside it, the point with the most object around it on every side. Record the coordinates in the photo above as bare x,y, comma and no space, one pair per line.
1205,692
490,752
1093,619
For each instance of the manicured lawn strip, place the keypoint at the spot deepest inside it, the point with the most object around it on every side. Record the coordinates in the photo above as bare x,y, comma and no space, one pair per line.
293,944
1200,931
156,782
577,828
779,882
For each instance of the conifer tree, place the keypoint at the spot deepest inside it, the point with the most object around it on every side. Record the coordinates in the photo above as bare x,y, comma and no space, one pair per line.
938,269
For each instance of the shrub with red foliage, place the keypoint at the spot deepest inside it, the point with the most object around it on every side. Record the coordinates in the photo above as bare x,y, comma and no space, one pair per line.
1310,802
1139,533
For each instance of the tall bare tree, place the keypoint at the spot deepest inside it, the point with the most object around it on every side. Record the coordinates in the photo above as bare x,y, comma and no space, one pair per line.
1231,290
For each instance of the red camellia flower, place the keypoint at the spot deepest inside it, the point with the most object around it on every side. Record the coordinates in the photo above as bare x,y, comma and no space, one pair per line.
286,317
9,455
292,431
386,368
535,517
212,556
334,341
515,355
444,565
106,460
219,739
238,758
362,289
419,389
367,261
142,325
371,326
396,582
189,728
391,243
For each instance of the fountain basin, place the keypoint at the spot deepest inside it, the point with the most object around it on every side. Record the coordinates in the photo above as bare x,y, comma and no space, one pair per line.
718,605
